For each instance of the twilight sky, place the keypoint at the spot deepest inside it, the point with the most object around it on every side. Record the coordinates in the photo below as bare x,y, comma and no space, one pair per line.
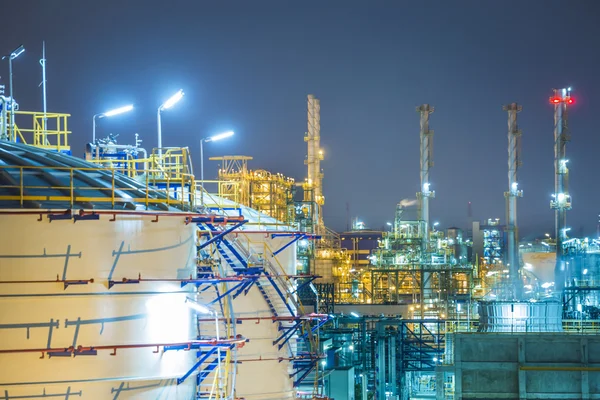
248,66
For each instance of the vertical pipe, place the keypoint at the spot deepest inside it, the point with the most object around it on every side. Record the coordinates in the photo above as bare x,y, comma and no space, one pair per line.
159,126
514,137
12,100
201,172
562,201
43,64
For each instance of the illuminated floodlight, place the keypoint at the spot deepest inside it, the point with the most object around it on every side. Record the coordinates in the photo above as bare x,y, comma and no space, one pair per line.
219,136
17,52
324,363
110,113
388,223
172,100
435,359
202,309
117,111
585,271
351,347
546,285
355,315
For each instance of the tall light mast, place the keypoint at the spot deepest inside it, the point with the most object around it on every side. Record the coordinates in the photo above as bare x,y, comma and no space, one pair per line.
561,201
514,161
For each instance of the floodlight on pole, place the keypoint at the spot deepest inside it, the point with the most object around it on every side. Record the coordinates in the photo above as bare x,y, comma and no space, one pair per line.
165,106
219,136
110,113
13,54
202,141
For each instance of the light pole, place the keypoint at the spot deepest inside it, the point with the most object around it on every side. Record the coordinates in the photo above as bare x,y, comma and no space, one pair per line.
110,113
13,54
206,140
202,309
165,106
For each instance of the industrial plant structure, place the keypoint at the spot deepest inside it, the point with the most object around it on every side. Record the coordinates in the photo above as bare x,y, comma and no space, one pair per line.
124,276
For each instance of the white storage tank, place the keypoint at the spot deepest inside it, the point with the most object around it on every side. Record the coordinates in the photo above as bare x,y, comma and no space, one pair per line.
55,292
264,371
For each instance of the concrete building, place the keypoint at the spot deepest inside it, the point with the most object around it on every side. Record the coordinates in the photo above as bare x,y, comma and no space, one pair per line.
520,366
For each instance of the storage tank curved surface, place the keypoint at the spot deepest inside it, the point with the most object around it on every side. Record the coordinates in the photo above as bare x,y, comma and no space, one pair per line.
515,316
264,370
75,318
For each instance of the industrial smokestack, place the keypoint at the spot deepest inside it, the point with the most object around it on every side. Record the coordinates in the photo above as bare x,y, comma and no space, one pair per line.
426,136
561,201
314,190
514,153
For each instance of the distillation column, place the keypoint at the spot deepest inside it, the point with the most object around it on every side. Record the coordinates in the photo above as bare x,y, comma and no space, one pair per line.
426,136
514,153
314,157
561,202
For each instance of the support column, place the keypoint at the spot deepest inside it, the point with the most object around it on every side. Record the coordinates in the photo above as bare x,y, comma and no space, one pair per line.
561,201
514,150
426,151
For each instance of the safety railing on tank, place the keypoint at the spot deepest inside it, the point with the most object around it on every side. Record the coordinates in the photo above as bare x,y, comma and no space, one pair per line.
48,131
69,186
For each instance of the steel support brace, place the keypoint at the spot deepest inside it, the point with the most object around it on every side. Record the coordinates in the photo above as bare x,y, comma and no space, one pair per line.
220,296
304,284
245,287
235,253
280,293
314,328
222,234
287,335
288,244
200,361
304,375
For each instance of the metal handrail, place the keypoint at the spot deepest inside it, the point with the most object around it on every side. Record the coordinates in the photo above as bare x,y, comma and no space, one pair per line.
41,135
72,193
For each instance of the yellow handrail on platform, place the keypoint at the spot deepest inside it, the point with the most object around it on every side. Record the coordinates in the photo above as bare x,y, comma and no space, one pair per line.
48,131
176,191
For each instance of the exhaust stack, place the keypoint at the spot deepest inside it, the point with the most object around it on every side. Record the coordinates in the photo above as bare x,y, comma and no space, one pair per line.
512,233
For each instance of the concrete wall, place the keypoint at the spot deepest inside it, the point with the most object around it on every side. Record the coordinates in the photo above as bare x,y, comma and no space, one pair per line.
524,366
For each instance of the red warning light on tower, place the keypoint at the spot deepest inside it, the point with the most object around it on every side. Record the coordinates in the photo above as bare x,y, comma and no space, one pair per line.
555,100
570,100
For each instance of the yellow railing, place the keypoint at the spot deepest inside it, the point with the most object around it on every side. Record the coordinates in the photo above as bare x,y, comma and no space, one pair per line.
49,131
73,190
170,163
224,205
